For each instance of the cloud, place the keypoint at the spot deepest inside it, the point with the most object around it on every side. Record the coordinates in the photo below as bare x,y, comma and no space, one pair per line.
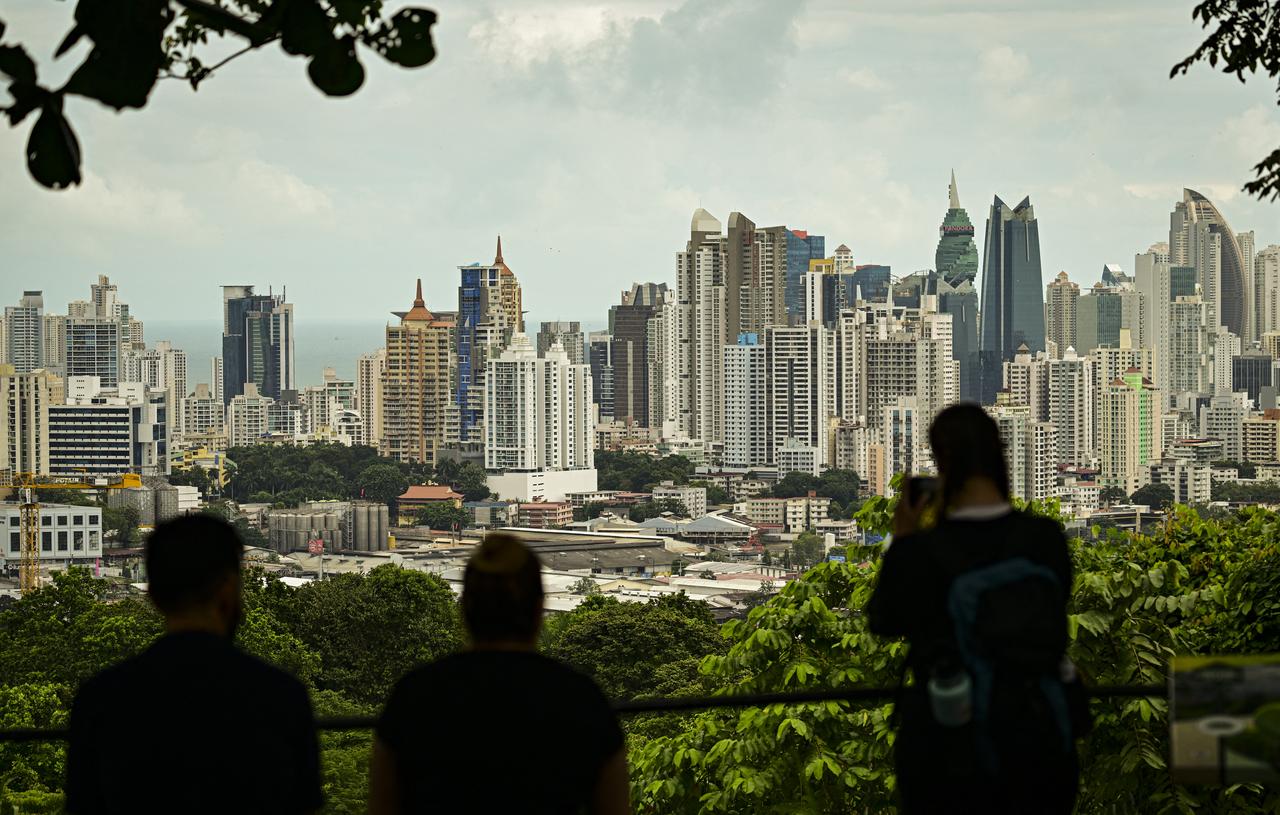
278,193
1254,133
702,53
863,79
1003,66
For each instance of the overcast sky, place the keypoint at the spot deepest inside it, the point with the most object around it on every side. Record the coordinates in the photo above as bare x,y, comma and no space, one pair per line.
587,133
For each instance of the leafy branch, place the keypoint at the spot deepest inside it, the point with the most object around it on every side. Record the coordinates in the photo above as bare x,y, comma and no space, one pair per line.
135,43
1247,37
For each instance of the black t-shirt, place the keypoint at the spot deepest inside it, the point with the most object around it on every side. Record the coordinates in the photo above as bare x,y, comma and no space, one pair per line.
192,725
498,731
910,598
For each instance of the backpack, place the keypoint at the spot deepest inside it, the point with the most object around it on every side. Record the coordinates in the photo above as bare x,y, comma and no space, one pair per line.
1011,637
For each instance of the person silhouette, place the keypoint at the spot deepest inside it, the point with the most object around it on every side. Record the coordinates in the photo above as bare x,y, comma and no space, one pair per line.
498,727
193,724
989,724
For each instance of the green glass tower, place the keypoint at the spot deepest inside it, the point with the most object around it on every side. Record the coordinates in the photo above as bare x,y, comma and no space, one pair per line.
956,258
956,262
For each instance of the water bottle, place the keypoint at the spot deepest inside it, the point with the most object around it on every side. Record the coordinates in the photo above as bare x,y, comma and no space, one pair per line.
951,697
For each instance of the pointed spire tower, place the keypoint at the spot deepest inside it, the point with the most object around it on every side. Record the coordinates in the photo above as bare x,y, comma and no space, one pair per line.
956,258
418,313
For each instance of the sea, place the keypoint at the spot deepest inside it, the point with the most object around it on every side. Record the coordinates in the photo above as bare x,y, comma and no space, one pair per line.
318,344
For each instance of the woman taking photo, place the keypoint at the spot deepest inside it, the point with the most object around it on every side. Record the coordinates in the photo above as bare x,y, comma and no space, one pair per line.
989,722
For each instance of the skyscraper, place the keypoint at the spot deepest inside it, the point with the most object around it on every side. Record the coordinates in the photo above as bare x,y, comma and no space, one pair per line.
538,435
1200,237
746,404
1061,301
1266,273
1154,282
629,353
956,262
24,333
1129,427
1098,319
707,300
1012,293
489,311
257,342
369,373
802,247
24,435
416,384
94,349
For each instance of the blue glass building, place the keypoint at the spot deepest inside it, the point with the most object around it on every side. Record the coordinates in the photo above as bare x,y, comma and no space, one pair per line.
801,248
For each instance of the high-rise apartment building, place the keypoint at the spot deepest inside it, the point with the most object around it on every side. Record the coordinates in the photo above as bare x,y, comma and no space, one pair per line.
203,414
416,384
1026,382
1030,449
1012,293
1201,238
708,303
800,380
257,342
24,339
1266,275
539,439
1129,427
1222,418
747,442
24,433
956,261
629,351
1061,300
1245,240
55,343
1071,405
95,347
600,358
903,352
1153,280
109,430
161,368
664,367
801,248
489,311
1098,319
248,417
370,369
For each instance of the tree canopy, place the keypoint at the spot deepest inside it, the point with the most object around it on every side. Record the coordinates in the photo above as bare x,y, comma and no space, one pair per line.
629,471
136,43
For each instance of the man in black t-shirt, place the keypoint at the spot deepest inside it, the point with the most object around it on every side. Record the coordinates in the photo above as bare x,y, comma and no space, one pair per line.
193,724
499,728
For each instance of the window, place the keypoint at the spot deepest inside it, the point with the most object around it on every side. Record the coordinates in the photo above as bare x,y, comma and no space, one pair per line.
14,520
46,541
62,520
79,520
46,520
15,542
77,541
62,541
93,520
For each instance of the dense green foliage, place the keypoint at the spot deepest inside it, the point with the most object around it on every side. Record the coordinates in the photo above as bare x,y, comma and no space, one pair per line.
1265,492
1197,586
348,639
288,475
629,471
841,486
807,550
1156,496
443,515
645,510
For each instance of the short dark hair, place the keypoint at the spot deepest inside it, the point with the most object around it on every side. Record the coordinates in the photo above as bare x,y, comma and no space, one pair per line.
966,444
502,590
188,558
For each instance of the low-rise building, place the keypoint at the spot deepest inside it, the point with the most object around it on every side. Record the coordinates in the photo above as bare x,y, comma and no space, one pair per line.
422,495
68,535
545,514
490,514
1190,482
694,499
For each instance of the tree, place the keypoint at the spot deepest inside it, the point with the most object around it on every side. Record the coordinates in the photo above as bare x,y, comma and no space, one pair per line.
136,45
645,510
794,485
1156,496
716,494
622,646
808,549
584,585
1245,469
630,471
120,524
383,483
1244,38
472,482
443,515
1267,492
370,630
1112,495
589,510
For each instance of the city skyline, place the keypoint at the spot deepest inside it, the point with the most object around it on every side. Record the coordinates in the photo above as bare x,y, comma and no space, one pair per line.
1035,108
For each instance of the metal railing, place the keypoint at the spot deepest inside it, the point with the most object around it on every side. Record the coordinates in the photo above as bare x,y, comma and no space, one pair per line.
664,705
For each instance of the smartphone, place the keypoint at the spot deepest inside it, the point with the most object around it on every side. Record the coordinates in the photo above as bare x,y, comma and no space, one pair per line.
921,489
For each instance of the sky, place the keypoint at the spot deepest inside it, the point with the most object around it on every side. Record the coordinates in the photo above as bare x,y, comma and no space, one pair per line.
587,133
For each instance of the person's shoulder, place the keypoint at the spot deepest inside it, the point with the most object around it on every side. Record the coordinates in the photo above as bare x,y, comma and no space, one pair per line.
110,680
1043,528
263,675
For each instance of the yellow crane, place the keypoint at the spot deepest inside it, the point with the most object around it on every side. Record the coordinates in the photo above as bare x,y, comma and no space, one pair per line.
26,485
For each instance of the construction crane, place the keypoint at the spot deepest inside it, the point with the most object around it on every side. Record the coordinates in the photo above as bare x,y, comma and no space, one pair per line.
26,485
